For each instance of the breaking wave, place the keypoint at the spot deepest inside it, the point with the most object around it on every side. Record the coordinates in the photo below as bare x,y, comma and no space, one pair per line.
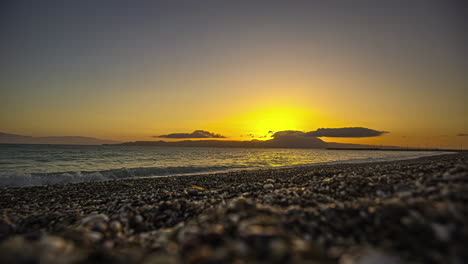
31,165
33,179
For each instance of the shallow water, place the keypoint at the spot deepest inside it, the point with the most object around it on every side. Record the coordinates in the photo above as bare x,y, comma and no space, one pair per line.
26,165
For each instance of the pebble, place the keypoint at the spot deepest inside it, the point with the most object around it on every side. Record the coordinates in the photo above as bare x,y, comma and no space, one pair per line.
380,193
370,256
343,213
442,232
193,191
139,219
93,236
94,219
5,229
404,194
115,226
403,188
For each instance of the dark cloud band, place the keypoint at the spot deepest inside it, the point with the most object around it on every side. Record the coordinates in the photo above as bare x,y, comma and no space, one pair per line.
356,132
345,132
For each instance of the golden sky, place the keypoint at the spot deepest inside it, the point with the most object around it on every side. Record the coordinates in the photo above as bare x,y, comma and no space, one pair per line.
129,74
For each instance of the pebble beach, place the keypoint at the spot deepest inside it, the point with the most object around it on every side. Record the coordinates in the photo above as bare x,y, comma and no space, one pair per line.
408,211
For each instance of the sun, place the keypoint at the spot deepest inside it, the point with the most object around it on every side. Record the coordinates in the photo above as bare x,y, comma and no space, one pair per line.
274,120
263,121
261,124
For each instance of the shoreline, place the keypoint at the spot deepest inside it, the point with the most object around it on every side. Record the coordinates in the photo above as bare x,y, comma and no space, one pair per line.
307,165
337,162
407,210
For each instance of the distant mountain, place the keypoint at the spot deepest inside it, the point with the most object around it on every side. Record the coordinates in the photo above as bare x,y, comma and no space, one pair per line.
295,142
289,141
66,140
273,143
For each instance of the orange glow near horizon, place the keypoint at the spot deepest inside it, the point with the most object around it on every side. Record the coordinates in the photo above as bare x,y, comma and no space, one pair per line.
261,122
239,74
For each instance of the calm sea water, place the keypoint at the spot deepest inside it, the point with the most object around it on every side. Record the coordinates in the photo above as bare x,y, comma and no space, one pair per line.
26,165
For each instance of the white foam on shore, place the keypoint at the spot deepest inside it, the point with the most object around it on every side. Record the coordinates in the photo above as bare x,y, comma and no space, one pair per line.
35,179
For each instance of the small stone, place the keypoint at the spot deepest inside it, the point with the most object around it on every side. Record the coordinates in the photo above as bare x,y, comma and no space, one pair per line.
448,176
100,226
403,188
405,194
5,228
369,256
139,219
93,219
268,186
53,244
161,257
109,244
431,189
93,236
193,192
442,232
445,191
278,248
115,226
458,168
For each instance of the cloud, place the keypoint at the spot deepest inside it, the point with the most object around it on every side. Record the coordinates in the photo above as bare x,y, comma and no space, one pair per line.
332,132
345,132
462,135
194,134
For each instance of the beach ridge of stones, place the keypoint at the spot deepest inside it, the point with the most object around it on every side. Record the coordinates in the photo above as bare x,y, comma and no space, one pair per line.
412,211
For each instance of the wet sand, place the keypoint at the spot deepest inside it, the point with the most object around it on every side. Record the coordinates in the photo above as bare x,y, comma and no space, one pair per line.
411,211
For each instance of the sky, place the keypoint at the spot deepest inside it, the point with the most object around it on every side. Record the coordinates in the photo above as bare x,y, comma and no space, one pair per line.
129,70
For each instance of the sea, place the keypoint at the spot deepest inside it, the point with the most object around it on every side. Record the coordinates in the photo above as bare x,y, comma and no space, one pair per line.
30,165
